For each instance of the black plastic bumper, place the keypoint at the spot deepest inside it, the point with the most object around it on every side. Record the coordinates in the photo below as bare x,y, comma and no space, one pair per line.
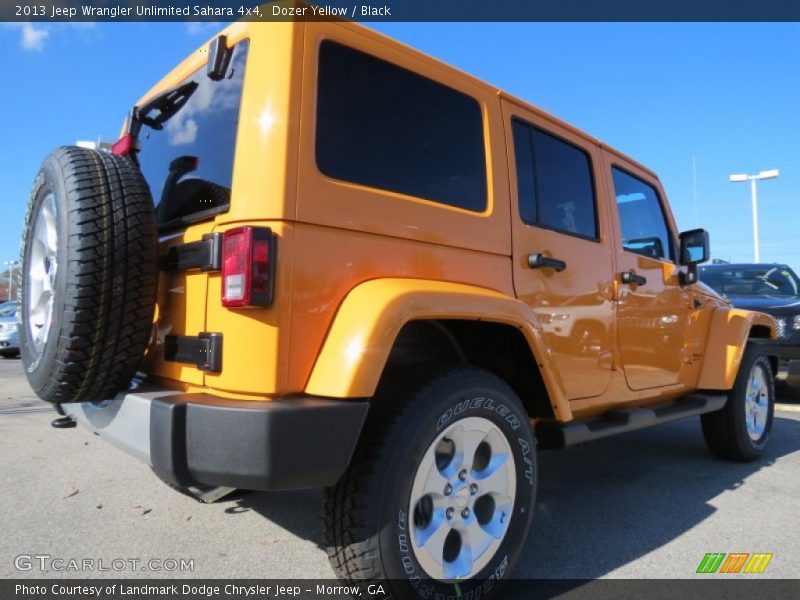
788,354
277,445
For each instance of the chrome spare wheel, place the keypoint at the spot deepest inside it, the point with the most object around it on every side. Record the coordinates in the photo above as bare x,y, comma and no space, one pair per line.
462,499
756,402
41,273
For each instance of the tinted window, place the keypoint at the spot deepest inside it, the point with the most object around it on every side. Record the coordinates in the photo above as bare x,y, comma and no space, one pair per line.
9,309
204,128
767,280
554,182
642,223
386,127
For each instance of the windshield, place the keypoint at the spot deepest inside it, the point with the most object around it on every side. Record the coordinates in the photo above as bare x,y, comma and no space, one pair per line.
767,280
187,154
9,309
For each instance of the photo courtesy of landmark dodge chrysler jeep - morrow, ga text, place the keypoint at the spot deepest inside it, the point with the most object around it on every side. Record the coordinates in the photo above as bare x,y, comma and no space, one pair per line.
319,258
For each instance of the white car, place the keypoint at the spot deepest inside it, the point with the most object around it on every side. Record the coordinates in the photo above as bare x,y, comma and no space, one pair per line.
9,333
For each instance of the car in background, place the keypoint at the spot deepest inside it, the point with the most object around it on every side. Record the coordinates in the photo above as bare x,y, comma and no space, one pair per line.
9,334
770,288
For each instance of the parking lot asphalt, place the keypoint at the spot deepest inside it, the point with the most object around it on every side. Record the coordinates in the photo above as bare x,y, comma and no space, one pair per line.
648,504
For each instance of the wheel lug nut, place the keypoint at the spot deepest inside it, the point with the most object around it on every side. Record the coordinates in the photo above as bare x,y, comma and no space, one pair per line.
462,475
448,489
473,489
465,513
449,513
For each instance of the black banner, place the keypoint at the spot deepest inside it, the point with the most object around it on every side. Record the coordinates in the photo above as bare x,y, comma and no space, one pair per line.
746,587
400,10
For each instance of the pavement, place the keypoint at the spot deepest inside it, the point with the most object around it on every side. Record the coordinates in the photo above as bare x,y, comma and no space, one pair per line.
648,504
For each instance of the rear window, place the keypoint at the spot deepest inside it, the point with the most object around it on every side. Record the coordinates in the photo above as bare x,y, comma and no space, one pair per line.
386,127
203,129
554,182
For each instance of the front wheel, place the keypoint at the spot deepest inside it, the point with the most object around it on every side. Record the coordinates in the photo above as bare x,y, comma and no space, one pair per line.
439,495
741,430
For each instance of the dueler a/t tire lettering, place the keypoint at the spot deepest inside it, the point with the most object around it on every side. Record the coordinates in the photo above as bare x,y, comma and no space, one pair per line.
367,514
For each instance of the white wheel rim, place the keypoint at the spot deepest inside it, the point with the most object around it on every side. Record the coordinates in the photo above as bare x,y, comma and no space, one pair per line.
41,268
756,403
462,499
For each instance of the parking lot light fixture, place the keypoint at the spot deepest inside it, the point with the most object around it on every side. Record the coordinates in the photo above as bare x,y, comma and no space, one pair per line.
10,264
742,177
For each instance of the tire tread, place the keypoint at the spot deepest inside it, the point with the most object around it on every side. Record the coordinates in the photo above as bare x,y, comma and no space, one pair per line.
723,430
348,507
111,279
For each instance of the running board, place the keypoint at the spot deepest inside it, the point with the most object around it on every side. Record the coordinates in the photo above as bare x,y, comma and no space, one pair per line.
557,435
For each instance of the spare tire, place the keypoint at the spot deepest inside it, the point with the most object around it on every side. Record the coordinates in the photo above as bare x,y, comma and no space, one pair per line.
89,276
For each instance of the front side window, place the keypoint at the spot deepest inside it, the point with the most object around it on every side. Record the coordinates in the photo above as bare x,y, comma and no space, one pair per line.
188,163
642,222
386,127
554,182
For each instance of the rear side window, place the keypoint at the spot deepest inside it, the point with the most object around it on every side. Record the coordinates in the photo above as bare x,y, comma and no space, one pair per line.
641,218
554,183
386,127
201,133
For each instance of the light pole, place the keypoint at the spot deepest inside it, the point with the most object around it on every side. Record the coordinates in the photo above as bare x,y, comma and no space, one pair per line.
10,264
771,174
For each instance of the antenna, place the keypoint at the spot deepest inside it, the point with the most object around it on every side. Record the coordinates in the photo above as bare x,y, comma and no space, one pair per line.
694,191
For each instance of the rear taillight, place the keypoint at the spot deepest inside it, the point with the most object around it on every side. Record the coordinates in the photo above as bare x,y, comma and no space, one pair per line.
248,267
124,145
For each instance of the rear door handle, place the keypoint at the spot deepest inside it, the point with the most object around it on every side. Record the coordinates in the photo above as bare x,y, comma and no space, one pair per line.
540,261
629,277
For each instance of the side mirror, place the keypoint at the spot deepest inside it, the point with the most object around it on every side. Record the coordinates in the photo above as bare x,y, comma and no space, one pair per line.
694,249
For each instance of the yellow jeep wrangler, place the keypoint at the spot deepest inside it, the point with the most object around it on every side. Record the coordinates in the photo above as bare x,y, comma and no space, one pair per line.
319,258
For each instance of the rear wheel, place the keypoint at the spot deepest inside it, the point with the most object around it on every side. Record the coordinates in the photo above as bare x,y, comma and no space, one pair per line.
741,430
89,276
439,495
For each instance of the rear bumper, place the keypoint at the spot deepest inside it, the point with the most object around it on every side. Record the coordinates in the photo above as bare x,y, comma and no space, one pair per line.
200,439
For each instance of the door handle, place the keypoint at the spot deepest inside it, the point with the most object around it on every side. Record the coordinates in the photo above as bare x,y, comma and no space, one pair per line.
540,261
629,277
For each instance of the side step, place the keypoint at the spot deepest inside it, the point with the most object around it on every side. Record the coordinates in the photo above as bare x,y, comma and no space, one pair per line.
558,435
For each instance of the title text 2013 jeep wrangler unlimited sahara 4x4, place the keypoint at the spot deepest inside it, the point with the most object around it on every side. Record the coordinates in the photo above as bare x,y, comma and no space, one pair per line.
336,262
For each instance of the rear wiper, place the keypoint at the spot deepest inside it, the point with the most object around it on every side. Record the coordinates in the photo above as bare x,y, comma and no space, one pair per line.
167,103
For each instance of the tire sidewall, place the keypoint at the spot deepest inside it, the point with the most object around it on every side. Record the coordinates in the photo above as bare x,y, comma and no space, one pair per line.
753,358
39,365
441,408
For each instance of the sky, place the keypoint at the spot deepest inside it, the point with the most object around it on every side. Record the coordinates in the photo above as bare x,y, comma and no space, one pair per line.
725,97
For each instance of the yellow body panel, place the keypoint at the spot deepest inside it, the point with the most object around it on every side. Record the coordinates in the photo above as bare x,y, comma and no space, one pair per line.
355,263
256,353
730,329
355,351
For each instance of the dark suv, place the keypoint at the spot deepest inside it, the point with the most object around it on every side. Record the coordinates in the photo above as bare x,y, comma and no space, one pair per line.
769,288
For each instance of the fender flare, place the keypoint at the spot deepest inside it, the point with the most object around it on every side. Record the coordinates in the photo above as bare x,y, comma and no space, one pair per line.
727,337
372,314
